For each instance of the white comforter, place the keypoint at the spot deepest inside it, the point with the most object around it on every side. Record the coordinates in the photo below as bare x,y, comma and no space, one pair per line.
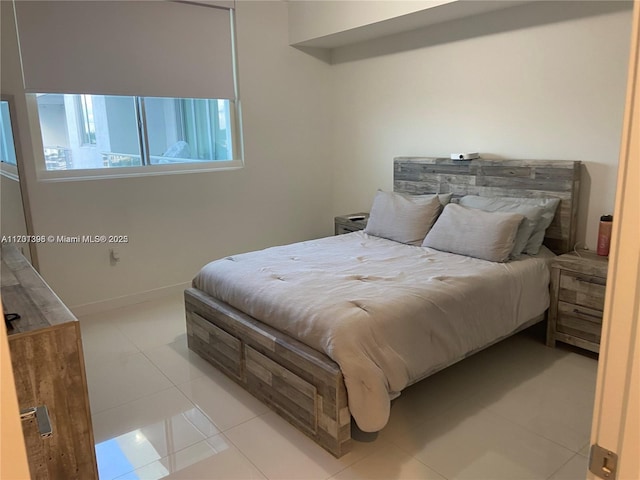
387,313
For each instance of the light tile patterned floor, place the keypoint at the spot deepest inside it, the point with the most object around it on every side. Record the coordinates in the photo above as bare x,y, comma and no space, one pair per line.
517,410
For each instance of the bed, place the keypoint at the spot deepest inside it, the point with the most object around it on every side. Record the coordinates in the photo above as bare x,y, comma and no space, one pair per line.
247,315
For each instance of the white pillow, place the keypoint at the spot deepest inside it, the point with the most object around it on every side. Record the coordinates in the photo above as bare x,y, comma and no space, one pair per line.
403,218
444,198
549,206
532,215
474,233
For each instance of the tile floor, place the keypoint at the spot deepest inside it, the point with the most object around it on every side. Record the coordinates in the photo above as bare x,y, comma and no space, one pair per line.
518,410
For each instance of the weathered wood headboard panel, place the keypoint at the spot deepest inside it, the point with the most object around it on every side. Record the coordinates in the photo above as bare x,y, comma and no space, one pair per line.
499,178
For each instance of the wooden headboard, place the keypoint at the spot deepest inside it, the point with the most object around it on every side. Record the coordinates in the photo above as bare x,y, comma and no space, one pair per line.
499,178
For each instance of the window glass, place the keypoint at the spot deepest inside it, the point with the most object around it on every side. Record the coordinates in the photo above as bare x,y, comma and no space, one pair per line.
87,120
7,148
88,131
106,131
188,129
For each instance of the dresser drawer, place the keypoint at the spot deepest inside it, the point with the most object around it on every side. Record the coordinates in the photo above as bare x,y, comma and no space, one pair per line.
587,291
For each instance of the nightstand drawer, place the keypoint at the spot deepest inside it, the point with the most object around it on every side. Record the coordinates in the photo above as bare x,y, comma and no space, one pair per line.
342,229
580,312
582,290
350,223
580,322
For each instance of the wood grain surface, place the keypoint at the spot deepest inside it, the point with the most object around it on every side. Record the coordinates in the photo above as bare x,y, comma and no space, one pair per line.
48,365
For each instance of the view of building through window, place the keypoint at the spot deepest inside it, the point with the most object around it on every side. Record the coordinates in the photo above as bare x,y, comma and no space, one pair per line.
7,148
87,124
106,131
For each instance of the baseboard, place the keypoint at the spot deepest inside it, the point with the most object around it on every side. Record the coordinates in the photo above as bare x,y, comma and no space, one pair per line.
126,300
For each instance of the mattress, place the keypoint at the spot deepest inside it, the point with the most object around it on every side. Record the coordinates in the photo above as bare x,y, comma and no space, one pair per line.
388,313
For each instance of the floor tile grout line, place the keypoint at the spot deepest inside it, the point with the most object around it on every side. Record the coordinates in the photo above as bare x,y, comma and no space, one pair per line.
433,469
85,350
404,450
204,436
159,368
212,421
102,360
391,440
269,478
355,462
237,447
150,393
160,459
524,427
136,400
245,421
119,321
369,455
563,465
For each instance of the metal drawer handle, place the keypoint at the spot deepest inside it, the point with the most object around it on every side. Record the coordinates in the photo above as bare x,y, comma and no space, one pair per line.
41,415
575,310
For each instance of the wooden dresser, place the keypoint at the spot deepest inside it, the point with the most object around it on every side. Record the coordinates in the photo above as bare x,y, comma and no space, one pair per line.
48,365
577,299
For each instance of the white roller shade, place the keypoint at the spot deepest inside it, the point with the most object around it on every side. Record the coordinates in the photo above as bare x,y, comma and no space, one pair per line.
144,48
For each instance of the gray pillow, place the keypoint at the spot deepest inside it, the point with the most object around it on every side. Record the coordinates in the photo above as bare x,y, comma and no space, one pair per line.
549,206
474,233
403,218
531,213
443,197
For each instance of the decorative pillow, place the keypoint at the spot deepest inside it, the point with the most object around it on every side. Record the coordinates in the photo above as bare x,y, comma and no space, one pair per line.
403,218
532,215
475,233
549,206
444,198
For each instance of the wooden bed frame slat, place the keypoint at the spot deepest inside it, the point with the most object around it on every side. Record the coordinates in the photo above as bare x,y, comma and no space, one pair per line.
306,387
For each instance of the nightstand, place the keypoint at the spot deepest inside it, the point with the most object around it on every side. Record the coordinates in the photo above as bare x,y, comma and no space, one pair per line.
577,299
344,224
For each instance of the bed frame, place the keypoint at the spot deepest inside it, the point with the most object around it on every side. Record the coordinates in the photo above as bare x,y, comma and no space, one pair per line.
305,386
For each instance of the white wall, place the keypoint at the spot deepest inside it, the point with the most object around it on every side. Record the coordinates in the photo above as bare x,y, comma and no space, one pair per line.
11,214
177,223
313,19
540,81
320,139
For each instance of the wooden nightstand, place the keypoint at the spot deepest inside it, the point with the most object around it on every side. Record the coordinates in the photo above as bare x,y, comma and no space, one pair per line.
344,224
577,299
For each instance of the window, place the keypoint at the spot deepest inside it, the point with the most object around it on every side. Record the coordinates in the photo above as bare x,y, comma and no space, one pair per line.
159,96
83,131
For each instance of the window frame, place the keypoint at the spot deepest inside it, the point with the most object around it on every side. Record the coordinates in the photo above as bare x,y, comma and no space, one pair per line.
45,175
